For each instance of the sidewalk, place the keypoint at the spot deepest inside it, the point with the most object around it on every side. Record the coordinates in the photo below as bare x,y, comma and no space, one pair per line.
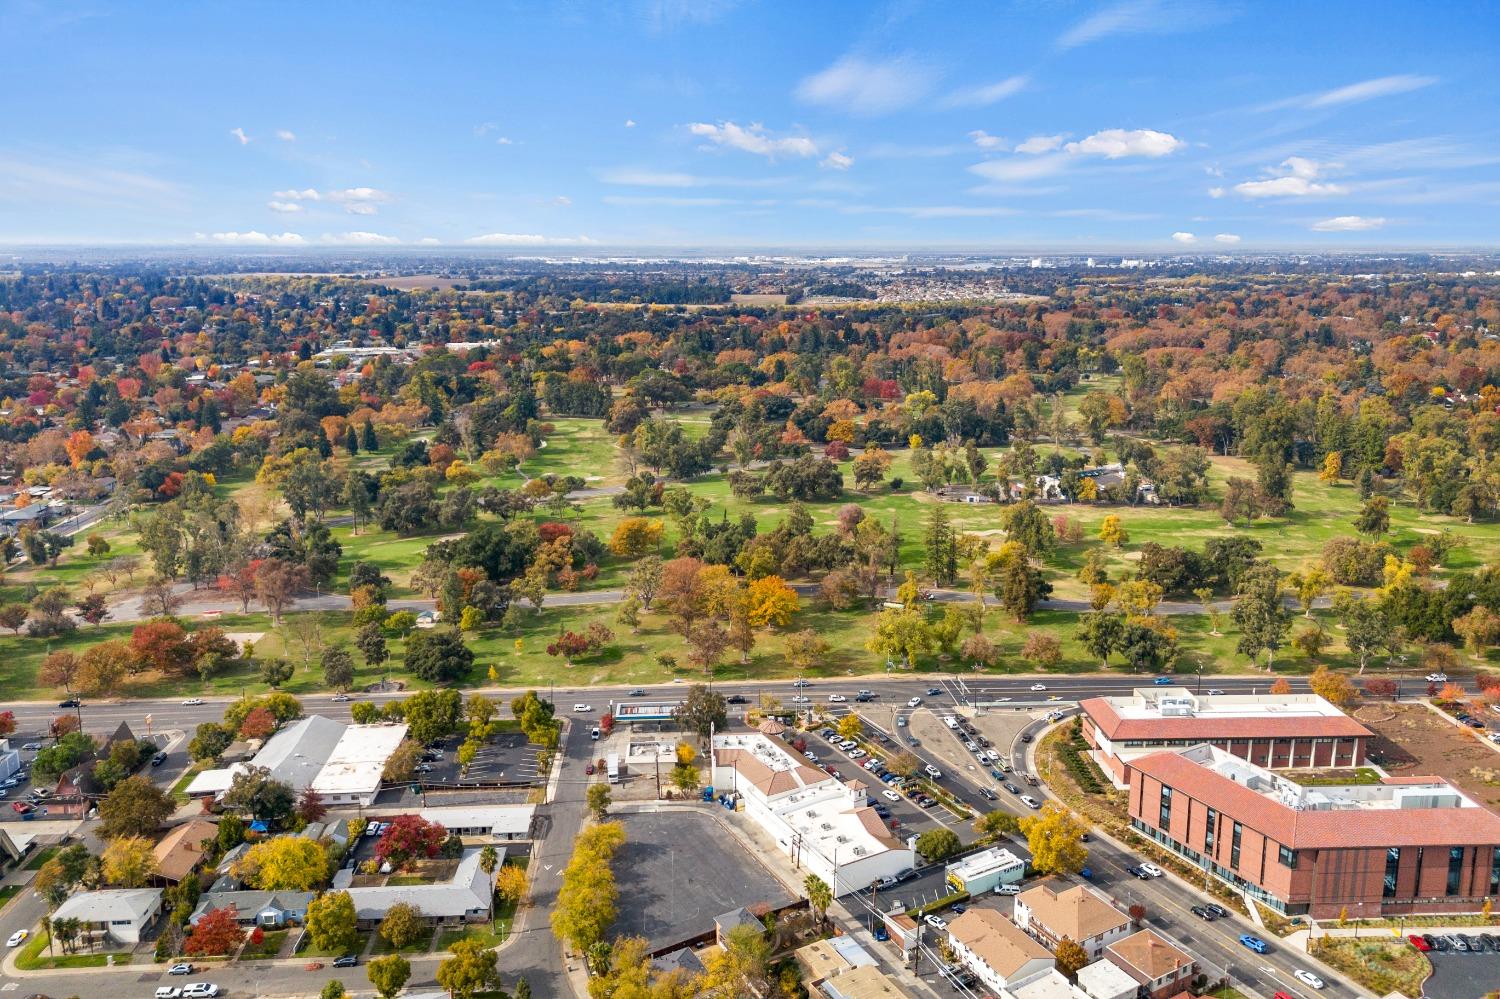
1302,938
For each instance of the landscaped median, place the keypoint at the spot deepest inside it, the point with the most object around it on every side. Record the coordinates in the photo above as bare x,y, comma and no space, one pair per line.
1381,965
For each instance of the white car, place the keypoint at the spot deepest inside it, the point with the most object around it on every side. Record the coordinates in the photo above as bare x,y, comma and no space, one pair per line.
1308,978
180,969
17,938
800,699
932,772
168,992
192,702
1038,686
583,708
890,795
1437,677
200,990
1152,870
993,754
857,754
914,702
836,698
936,922
1030,802
971,746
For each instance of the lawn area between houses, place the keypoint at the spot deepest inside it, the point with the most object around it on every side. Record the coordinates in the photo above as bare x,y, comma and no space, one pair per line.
1382,966
306,947
36,860
268,947
33,957
493,933
421,946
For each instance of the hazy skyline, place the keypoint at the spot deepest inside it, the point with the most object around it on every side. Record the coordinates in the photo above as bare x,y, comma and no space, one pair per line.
1157,124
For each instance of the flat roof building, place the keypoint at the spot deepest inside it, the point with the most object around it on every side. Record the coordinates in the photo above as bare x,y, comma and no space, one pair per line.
343,763
1405,845
816,819
1278,731
985,871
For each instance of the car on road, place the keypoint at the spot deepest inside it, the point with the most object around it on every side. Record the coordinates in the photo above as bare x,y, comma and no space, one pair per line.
1012,788
914,702
934,691
1217,909
988,794
180,969
583,708
1136,872
1163,681
589,770
972,747
737,699
1151,870
1307,978
341,698
1202,913
1030,802
935,921
1419,943
801,699
1213,691
167,992
192,702
200,990
1038,686
638,692
1280,995
22,807
71,702
836,698
932,772
158,759
1254,943
1437,677
912,740
346,961
17,938
801,683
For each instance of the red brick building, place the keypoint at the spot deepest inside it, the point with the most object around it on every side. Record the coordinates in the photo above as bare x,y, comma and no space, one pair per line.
1406,845
1276,731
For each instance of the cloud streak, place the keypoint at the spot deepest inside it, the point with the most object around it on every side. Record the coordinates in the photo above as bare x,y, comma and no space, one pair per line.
1297,177
526,239
1348,223
754,139
985,94
868,86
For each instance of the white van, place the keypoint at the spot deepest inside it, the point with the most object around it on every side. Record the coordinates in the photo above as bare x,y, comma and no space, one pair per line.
1007,889
950,721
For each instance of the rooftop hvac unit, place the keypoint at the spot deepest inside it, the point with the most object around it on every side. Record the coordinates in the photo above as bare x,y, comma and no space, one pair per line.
859,851
826,826
841,839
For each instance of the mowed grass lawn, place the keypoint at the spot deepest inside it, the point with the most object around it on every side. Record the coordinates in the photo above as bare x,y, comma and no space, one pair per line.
584,448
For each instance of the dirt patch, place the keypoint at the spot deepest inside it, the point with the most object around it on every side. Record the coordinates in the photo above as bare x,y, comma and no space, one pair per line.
1414,741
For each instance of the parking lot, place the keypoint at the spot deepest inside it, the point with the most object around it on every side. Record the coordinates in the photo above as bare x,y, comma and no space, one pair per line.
908,818
678,870
1462,976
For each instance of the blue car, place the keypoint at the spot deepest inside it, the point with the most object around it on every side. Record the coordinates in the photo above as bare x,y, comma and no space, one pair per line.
1163,681
881,934
1254,943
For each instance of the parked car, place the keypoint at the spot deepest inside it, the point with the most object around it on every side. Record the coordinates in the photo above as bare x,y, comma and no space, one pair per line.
158,759
167,992
1307,978
180,969
346,961
1419,943
1254,943
914,702
200,990
935,921
1151,870
934,691
22,807
1008,890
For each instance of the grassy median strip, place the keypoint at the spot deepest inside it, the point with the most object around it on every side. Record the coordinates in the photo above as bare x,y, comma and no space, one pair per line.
1382,966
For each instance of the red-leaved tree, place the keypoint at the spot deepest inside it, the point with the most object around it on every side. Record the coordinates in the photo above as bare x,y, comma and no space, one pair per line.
161,645
258,724
7,723
217,932
409,838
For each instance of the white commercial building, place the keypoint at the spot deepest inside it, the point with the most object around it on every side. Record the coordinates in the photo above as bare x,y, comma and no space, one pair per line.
986,871
353,771
343,763
820,822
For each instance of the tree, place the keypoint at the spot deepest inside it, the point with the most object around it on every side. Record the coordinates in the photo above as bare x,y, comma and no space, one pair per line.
275,672
1112,532
1310,585
636,536
1055,838
901,634
1479,628
702,711
276,582
1019,585
1281,686
585,908
60,669
333,989
13,616
407,838
403,925
259,723
433,714
217,932
1259,614
128,862
994,825
940,550
1335,688
819,895
850,727
805,649
937,845
645,579
1042,649
510,883
1374,517
598,798
469,971
370,641
389,974
136,807
338,668
1332,468
284,863
438,656
93,609
771,602
310,807
1367,626
1070,956
333,923
870,467
255,792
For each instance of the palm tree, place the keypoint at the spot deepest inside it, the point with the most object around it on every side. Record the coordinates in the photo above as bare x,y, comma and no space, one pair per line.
819,895
488,860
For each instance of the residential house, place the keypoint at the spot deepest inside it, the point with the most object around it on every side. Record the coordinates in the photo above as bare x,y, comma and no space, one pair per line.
180,852
123,915
1106,980
463,898
824,959
268,909
682,960
863,983
500,823
1159,968
729,920
996,951
1050,912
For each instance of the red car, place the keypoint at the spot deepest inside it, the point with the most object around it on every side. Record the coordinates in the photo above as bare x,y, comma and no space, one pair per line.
1418,942
589,770
1281,995
22,807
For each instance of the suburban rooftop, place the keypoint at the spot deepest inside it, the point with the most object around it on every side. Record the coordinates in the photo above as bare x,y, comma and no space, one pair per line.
1177,712
1411,792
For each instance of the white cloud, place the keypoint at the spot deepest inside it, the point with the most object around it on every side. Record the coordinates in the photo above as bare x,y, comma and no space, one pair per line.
867,86
985,94
1348,223
1116,143
837,161
1184,237
666,201
754,139
358,239
562,201
526,239
630,123
254,238
1365,90
649,178
1226,237
1040,144
1142,17
239,133
354,200
484,128
985,140
429,241
286,207
1216,192
286,135
1030,168
956,211
1297,177
504,140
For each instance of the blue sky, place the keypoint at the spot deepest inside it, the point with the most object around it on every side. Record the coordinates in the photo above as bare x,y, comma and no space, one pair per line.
1148,124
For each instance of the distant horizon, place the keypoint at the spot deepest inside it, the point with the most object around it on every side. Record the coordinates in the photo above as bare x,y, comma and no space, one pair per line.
1105,126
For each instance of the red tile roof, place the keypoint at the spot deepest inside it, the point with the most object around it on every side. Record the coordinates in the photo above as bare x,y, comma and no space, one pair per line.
1326,829
1208,729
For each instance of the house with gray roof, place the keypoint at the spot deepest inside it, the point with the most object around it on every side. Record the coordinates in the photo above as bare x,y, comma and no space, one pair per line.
463,898
124,915
268,909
